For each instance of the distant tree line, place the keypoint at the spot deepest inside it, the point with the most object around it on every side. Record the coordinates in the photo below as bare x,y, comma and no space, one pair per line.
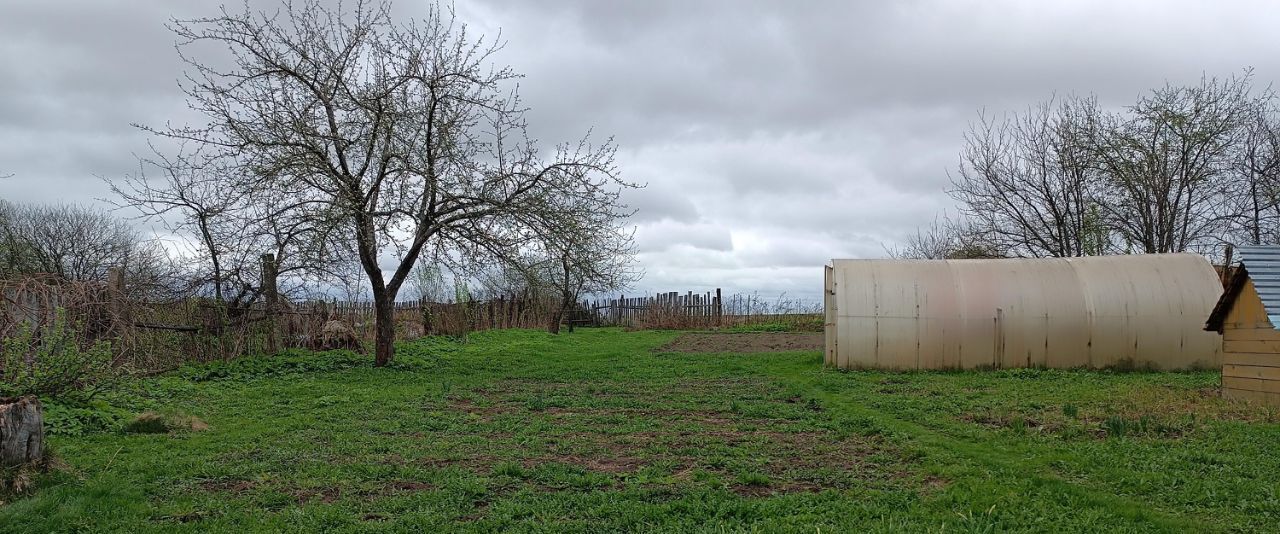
1184,168
75,242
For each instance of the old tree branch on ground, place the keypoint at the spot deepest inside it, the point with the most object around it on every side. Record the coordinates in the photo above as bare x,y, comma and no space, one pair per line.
393,138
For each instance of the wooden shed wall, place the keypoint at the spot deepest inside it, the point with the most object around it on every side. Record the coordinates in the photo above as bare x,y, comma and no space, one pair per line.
1250,351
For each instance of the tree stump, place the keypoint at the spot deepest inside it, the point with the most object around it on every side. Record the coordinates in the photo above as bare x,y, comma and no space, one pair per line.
21,431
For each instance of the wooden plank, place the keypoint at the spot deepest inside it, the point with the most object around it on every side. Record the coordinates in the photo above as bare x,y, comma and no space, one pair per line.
1252,346
1247,308
1251,384
1258,360
1254,397
1251,371
1266,333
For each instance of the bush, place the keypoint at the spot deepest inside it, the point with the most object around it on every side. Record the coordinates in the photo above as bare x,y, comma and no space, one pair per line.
76,419
53,361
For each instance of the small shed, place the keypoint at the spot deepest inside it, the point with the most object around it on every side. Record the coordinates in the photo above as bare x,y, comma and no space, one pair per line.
1142,310
1247,316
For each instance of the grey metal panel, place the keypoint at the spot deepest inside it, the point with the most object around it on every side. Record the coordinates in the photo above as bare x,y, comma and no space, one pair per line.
1263,265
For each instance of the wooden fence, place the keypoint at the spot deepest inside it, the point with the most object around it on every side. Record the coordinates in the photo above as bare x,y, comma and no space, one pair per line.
709,309
151,335
154,335
662,310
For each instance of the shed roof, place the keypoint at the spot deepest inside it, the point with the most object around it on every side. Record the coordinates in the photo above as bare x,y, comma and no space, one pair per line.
1262,265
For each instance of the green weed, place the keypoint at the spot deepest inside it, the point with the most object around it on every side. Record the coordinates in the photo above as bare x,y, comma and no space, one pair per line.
753,478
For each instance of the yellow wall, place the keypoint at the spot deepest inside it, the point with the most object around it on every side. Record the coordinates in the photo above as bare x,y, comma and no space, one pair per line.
1250,351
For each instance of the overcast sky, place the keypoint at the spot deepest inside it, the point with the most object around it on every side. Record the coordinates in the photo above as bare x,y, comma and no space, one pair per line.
773,136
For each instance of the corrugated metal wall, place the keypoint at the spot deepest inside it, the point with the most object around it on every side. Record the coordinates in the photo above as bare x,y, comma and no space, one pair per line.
1139,310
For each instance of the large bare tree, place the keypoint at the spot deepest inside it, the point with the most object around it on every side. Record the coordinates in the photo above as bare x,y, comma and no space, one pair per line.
1167,164
1028,182
1253,189
406,136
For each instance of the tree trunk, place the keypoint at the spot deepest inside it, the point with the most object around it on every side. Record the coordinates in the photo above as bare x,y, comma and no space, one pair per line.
384,331
553,326
559,315
21,431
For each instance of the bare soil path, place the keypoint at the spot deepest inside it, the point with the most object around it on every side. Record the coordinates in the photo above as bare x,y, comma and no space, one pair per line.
745,342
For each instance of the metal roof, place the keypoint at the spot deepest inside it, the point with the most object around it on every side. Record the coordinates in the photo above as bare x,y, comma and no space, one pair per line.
1262,265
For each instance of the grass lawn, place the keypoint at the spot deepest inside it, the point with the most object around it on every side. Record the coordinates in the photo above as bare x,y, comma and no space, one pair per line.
596,430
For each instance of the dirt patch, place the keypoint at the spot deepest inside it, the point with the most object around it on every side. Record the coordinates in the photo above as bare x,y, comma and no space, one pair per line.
410,486
745,342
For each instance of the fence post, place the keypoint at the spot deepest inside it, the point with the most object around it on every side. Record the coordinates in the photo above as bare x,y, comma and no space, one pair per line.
115,289
271,299
719,308
425,313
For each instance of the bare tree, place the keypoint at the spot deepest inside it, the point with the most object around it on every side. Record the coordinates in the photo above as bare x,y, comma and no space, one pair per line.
948,239
1028,182
594,254
1253,191
1167,162
16,256
193,202
404,135
230,222
72,242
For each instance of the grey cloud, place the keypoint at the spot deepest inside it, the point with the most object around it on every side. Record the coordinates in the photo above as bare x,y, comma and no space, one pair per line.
664,235
772,135
660,201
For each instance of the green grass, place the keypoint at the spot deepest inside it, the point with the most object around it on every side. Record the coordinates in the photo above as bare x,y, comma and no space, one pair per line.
792,323
595,431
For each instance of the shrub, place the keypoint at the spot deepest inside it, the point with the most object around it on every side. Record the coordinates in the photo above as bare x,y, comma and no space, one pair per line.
75,419
53,361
